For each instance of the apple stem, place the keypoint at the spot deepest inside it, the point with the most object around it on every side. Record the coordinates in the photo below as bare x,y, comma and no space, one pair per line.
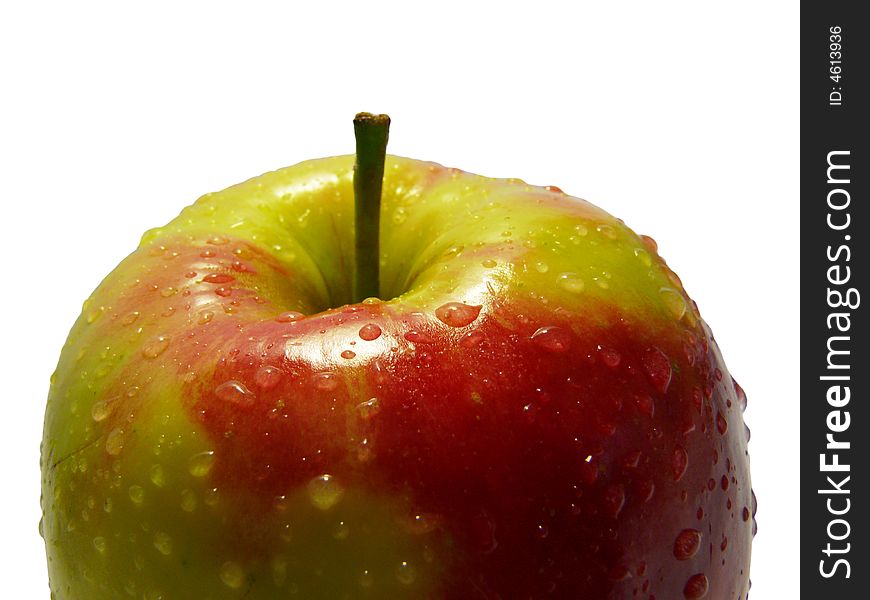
372,133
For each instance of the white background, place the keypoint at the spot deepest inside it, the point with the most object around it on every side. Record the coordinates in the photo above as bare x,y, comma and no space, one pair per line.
679,117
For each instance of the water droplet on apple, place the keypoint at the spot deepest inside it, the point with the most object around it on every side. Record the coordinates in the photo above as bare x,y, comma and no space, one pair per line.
679,462
368,409
94,315
212,497
217,240
552,338
201,463
369,332
418,337
609,356
696,587
155,347
217,278
130,318
188,500
224,292
721,423
400,215
674,302
341,531
101,410
289,316
100,544
675,279
348,354
457,314
364,451
632,459
115,441
489,263
326,382
741,396
571,282
163,543
232,575
366,579
482,531
643,256
687,544
649,243
618,573
421,524
279,569
645,489
614,499
541,267
137,494
746,514
471,339
530,412
267,377
324,491
379,371
607,231
602,280
157,476
235,392
406,574
281,503
658,369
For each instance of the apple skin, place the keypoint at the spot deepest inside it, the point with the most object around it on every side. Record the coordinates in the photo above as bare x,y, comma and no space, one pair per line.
538,410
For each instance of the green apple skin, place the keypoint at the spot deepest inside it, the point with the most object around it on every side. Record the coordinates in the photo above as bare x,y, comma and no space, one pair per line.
537,409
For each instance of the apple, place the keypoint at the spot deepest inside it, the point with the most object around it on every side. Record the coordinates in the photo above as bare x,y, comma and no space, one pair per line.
507,394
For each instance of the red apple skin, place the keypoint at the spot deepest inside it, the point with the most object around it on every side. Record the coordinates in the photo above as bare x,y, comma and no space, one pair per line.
523,421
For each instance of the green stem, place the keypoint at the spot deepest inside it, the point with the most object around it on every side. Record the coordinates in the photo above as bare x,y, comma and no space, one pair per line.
372,132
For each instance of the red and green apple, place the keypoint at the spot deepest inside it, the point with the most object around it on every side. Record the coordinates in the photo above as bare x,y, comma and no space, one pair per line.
507,395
